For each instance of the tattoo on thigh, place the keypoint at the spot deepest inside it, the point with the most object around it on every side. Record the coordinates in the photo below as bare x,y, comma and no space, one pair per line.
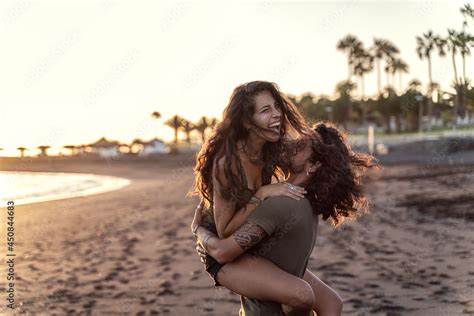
248,235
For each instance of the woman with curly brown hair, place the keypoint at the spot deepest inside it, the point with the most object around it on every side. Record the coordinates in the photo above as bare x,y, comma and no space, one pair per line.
223,185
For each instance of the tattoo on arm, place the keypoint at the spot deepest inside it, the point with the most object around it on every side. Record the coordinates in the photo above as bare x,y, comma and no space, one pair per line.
248,235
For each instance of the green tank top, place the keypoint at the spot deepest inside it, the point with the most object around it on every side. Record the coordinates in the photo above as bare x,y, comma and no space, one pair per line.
208,214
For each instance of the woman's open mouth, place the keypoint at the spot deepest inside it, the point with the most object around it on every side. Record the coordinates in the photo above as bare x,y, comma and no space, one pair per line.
275,127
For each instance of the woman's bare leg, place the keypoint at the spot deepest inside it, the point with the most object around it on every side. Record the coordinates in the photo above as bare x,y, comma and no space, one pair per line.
327,301
258,278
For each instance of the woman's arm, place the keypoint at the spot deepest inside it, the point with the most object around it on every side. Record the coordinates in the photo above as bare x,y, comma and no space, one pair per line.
227,219
227,249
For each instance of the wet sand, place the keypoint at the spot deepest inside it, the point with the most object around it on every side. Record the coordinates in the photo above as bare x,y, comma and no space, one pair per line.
130,251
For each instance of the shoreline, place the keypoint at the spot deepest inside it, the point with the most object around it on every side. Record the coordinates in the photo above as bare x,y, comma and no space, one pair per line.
107,183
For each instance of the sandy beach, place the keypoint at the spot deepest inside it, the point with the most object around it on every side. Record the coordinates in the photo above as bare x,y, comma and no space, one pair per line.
130,251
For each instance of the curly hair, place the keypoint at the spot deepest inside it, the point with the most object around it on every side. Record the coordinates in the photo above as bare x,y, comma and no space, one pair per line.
334,189
222,143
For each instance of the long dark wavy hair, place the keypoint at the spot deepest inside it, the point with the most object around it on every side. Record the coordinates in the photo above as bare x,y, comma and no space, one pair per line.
222,143
334,189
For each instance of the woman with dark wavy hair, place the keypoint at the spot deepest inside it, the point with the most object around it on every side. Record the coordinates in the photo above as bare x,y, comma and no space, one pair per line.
241,155
223,182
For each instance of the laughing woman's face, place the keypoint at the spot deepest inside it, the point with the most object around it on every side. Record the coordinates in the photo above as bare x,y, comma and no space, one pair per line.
267,117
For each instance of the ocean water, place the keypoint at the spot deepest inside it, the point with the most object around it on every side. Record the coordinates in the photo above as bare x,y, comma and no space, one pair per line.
32,187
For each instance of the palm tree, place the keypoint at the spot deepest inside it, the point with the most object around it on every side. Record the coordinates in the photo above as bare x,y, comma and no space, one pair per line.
344,91
156,115
452,44
174,123
389,105
202,126
425,46
389,70
383,50
459,42
44,150
414,84
467,11
398,65
391,51
349,45
464,41
213,123
22,151
378,52
363,64
187,127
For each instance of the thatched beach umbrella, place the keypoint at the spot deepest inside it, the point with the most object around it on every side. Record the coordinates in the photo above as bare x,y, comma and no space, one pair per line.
22,151
72,149
43,150
105,148
104,143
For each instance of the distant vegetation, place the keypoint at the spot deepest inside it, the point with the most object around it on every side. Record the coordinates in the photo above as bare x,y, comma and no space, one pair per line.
396,108
178,123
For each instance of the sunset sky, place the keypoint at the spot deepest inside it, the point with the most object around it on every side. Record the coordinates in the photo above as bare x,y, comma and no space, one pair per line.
74,71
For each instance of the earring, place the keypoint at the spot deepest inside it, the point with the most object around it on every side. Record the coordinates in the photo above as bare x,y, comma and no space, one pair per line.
307,173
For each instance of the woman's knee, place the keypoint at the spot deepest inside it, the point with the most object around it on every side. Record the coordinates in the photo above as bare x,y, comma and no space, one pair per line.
302,297
333,307
338,305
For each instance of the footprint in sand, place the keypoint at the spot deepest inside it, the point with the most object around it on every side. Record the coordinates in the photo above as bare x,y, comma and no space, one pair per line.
343,274
434,282
442,291
124,281
89,304
111,276
409,285
389,309
166,292
356,302
187,252
33,267
120,294
372,285
170,233
98,287
176,276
